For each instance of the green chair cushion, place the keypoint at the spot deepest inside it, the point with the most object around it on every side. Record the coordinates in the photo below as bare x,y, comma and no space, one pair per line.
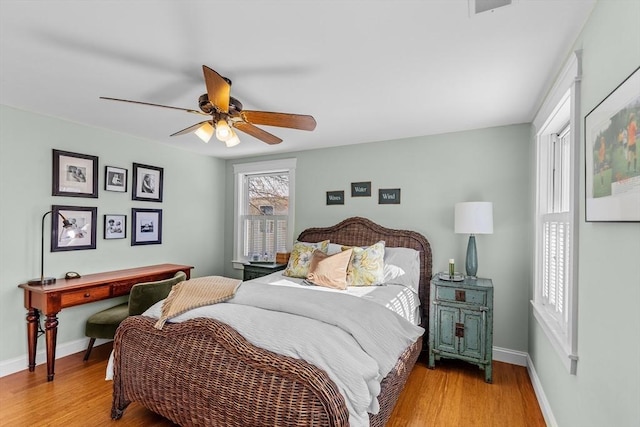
104,323
142,296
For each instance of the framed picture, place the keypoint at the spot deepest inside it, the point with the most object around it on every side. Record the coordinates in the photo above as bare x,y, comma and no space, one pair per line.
74,175
389,196
73,228
611,155
147,183
115,226
146,226
361,189
115,179
335,197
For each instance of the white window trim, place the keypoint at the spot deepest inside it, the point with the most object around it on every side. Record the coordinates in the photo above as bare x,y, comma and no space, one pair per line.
240,170
564,341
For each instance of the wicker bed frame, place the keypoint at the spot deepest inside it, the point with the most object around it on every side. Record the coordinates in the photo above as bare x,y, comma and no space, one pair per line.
204,373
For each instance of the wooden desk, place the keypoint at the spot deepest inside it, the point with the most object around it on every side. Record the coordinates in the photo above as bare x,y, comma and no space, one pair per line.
50,299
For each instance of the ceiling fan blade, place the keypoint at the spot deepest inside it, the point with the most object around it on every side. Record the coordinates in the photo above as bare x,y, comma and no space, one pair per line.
155,105
285,120
218,89
257,132
190,129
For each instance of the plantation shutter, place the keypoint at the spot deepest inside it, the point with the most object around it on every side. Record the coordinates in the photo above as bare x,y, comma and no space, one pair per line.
555,276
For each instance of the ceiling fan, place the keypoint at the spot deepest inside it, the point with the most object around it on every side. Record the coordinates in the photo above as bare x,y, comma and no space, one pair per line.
225,113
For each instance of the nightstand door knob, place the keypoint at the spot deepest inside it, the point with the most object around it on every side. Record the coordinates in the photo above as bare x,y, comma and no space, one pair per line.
460,330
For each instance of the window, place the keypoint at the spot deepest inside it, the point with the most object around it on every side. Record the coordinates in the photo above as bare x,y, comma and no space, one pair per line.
555,217
557,151
263,209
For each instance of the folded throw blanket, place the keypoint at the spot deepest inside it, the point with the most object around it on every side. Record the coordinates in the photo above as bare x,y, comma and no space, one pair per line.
196,293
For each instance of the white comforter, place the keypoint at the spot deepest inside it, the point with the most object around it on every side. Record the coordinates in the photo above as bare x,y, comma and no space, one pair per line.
355,340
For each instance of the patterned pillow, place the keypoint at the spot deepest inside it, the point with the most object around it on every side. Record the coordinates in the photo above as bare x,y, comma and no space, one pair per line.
329,270
367,265
300,258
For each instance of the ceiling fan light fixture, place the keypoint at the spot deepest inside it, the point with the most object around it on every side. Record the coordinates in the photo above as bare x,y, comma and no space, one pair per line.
223,131
233,141
205,132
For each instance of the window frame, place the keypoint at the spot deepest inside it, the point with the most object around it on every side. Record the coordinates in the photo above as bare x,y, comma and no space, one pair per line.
240,172
561,106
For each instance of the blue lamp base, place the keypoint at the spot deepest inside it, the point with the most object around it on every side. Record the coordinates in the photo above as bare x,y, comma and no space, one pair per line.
471,263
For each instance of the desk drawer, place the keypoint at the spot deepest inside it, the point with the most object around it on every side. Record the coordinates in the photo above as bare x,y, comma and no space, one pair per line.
470,296
84,296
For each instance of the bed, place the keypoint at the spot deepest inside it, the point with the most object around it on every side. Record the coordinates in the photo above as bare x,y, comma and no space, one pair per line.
203,372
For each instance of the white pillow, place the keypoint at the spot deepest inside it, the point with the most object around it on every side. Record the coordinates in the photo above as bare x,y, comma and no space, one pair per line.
334,248
402,267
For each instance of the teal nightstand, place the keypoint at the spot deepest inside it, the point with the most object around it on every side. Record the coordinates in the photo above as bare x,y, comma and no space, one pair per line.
461,322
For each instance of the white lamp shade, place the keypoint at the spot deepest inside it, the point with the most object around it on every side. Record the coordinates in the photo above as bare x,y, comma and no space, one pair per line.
233,141
223,131
205,132
474,218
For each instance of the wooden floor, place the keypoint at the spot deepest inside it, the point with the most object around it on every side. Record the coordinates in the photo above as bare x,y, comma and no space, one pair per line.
454,394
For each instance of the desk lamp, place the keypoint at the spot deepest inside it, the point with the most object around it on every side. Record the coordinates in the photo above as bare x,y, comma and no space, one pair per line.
68,228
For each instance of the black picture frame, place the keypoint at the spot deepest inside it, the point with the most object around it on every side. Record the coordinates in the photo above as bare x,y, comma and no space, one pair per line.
335,197
73,228
361,189
146,226
74,174
115,226
612,167
115,179
389,196
147,183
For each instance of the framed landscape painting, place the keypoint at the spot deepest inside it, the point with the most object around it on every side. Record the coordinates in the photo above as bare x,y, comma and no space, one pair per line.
146,226
612,167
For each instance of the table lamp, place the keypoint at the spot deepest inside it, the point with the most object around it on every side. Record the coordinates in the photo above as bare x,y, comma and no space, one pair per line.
473,218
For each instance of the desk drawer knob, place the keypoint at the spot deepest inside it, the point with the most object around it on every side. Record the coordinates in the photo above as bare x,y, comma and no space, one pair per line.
87,295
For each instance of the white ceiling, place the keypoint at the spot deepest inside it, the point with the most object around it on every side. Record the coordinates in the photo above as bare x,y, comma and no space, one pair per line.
366,70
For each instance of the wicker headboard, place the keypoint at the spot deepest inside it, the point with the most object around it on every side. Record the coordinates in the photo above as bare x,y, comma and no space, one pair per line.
357,231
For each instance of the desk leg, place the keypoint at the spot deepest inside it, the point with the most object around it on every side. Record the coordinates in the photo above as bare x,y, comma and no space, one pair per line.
51,334
33,318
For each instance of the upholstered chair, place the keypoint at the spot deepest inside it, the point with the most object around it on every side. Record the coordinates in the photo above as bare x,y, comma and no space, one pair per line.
103,324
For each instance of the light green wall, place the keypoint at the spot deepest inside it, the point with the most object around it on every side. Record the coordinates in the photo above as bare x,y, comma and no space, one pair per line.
192,214
606,389
433,174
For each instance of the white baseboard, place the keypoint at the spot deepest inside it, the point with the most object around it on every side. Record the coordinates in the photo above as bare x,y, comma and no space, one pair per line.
21,363
512,357
545,407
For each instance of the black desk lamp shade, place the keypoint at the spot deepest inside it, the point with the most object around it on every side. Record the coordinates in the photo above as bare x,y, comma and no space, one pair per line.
47,280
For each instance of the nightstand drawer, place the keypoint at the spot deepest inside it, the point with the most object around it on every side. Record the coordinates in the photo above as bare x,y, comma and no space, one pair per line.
253,271
469,296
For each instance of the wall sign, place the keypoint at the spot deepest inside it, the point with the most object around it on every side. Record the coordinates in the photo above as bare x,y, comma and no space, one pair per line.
335,197
361,189
389,196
